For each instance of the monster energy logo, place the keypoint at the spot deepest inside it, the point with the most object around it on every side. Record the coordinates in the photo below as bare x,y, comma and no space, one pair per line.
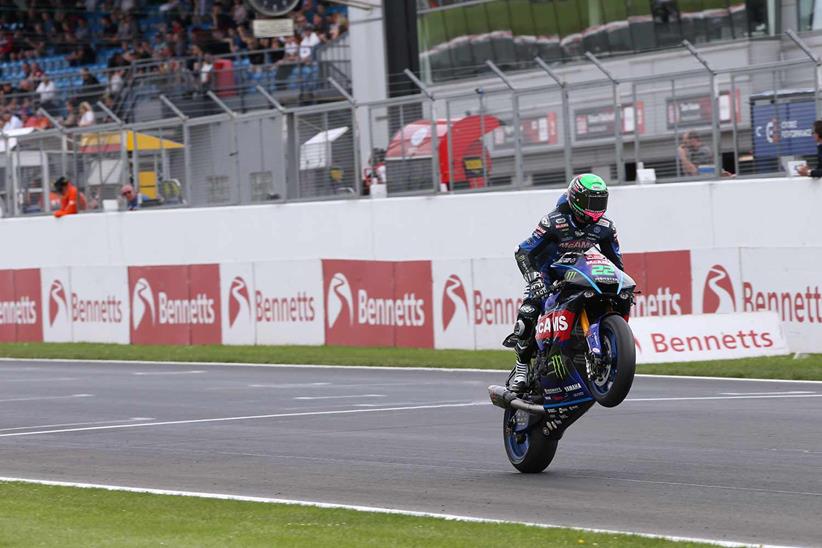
570,275
560,369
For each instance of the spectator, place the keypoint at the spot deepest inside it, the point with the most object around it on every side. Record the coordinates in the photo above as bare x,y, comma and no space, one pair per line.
47,92
693,153
86,115
70,119
115,83
206,72
309,42
10,121
91,85
134,200
239,13
33,120
69,200
806,171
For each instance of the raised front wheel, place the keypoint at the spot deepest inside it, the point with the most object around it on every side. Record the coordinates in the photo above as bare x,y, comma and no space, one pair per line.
613,380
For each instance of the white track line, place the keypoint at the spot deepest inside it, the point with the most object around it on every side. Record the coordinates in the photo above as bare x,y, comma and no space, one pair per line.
373,509
765,393
340,397
758,397
358,367
40,398
133,419
246,418
145,373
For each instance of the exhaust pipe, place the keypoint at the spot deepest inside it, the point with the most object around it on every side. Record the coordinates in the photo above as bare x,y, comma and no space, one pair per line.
502,397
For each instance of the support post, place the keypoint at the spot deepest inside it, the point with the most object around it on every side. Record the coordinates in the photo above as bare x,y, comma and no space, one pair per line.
519,175
355,134
435,149
717,135
566,116
816,62
620,160
236,152
186,147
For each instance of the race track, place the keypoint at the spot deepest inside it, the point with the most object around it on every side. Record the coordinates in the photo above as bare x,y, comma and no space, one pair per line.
717,459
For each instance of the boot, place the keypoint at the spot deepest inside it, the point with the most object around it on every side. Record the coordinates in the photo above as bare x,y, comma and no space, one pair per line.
519,383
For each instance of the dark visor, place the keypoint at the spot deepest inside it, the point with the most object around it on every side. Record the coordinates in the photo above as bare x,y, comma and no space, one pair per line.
597,203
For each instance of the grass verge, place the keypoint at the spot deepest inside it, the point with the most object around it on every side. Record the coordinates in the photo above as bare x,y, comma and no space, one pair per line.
809,368
39,515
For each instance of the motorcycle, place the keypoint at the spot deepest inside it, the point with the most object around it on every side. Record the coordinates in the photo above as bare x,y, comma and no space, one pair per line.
585,354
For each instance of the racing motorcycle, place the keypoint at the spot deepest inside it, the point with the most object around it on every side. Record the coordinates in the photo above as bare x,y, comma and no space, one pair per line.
586,354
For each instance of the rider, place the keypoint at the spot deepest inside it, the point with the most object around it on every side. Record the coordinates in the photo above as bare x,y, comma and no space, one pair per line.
577,224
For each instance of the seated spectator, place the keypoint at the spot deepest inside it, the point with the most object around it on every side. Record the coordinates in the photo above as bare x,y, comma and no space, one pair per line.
33,120
133,199
307,44
70,119
205,70
86,115
47,92
91,85
693,153
115,83
10,121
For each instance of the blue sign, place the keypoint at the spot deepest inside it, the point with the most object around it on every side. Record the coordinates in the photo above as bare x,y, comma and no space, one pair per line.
784,129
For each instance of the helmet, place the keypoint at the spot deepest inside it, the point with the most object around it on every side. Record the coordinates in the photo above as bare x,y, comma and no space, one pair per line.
60,184
588,197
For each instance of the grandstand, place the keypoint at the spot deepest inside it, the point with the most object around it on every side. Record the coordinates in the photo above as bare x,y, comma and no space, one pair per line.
122,53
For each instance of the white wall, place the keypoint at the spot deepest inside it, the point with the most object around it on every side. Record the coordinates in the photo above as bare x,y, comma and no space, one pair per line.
755,213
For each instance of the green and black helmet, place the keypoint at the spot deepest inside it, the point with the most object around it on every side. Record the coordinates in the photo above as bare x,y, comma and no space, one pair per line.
588,197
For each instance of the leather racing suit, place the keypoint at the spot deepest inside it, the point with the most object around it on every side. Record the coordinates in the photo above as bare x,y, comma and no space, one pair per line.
557,233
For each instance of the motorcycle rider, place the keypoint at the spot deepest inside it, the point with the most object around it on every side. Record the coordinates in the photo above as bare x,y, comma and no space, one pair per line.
577,224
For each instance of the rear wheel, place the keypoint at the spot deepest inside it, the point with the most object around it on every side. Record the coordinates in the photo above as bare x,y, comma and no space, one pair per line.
528,449
613,381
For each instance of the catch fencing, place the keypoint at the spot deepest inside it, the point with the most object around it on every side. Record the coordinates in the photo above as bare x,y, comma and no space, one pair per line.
698,124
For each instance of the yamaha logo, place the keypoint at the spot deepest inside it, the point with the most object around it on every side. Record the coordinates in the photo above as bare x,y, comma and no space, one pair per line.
718,292
339,297
239,300
58,303
453,297
142,299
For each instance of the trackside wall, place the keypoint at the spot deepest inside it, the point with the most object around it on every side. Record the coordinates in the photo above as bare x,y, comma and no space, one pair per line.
420,272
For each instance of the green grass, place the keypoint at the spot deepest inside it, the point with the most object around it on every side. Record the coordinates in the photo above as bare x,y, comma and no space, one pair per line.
32,515
809,368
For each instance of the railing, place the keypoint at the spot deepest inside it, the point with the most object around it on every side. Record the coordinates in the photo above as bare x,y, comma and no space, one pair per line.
682,125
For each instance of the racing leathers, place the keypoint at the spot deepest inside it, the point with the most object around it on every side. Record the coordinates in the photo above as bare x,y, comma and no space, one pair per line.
557,233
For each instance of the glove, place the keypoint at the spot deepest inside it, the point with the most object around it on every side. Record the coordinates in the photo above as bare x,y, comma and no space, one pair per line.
537,288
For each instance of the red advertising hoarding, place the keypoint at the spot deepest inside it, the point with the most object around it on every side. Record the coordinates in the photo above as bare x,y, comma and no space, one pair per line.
20,306
664,279
175,304
378,303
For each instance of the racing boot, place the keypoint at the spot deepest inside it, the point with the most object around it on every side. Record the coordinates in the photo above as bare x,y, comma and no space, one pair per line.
519,383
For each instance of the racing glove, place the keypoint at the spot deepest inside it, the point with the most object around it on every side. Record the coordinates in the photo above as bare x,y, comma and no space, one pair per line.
536,286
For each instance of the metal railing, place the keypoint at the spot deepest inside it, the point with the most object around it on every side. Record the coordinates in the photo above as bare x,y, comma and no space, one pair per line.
683,125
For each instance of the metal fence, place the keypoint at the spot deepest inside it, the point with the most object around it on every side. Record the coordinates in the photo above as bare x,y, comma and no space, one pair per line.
741,121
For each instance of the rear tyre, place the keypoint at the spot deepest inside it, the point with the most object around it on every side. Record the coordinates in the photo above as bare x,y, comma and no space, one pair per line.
619,360
529,450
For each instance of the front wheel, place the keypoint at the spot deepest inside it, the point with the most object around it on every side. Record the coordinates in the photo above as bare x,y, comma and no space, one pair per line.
528,449
613,381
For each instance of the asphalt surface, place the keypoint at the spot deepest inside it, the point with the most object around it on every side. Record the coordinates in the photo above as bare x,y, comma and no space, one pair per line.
743,463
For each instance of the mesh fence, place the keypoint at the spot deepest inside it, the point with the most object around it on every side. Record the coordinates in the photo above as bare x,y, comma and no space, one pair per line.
98,164
542,137
325,144
260,159
212,163
475,124
404,143
593,122
158,165
34,162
